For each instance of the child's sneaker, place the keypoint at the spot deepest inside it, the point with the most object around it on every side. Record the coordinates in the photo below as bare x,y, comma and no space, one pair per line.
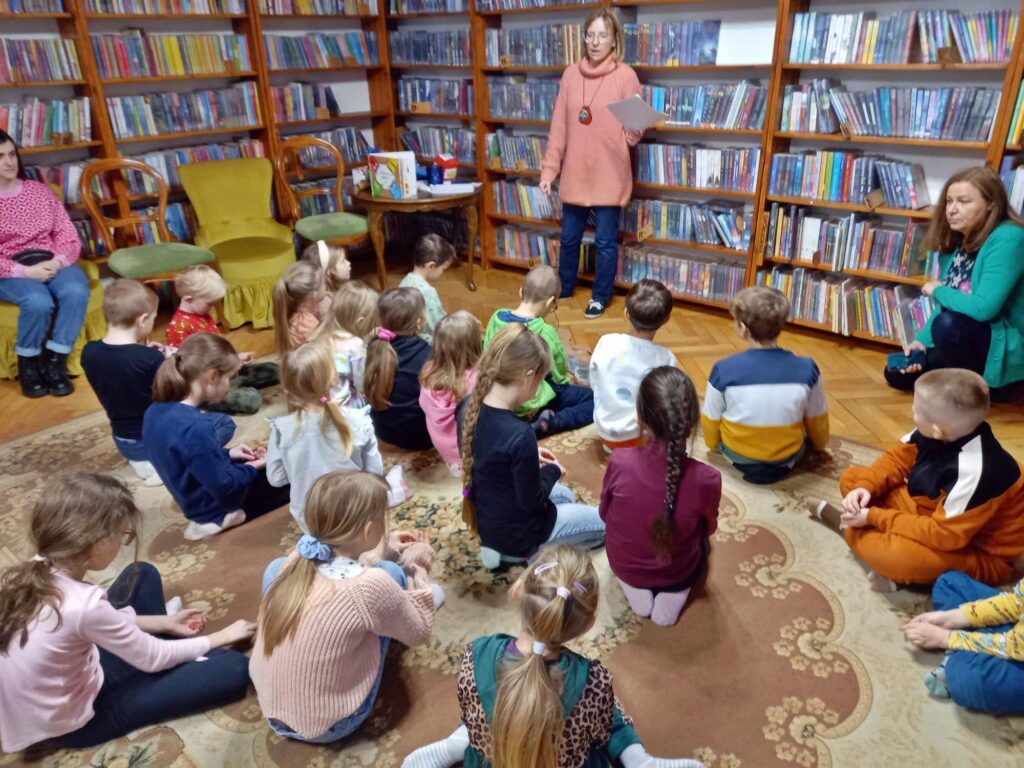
935,681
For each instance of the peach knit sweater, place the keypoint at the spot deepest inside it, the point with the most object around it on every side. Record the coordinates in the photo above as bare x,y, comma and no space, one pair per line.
593,159
324,671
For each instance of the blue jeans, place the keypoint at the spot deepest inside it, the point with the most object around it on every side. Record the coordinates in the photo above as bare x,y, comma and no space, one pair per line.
135,450
978,680
762,472
959,342
346,725
131,699
68,290
606,238
573,406
579,525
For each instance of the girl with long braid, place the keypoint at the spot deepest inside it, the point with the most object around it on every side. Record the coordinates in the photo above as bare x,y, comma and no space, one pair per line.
511,495
660,505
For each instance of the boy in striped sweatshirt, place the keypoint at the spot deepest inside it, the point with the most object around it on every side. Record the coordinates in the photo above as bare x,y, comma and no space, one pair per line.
763,406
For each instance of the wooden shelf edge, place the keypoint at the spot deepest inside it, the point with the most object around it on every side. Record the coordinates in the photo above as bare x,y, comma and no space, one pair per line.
853,207
737,193
428,115
28,84
867,274
345,118
439,67
894,140
189,134
166,78
426,14
122,16
47,148
41,15
911,67
322,70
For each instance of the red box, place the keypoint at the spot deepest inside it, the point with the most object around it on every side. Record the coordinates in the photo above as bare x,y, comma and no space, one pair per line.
450,166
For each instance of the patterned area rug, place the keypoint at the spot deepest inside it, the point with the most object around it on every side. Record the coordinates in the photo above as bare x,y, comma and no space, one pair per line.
783,657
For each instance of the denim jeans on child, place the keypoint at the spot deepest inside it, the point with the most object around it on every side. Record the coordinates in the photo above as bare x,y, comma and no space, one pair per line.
68,291
606,237
577,524
346,725
978,680
131,698
573,408
135,450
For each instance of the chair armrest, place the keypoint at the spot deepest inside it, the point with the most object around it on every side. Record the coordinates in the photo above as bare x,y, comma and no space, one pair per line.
91,269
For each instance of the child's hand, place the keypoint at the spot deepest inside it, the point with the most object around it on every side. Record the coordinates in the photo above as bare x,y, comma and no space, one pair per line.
242,453
546,456
856,500
952,619
926,636
233,633
186,623
260,459
402,540
246,357
856,519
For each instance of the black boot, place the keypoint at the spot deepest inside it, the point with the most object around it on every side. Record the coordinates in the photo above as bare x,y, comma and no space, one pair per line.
30,374
56,375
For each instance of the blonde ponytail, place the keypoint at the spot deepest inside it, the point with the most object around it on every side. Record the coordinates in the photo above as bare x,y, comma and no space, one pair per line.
307,375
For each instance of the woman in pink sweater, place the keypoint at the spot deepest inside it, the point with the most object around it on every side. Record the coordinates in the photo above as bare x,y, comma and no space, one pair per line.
588,146
81,665
32,219
327,618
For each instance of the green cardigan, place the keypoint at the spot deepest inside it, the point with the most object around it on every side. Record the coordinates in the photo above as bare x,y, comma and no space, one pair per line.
559,368
996,297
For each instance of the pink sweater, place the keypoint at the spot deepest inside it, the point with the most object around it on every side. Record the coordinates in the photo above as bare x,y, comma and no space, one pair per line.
324,671
50,684
439,408
33,217
592,159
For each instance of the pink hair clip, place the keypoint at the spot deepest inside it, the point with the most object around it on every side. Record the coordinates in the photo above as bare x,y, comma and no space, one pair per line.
385,335
325,399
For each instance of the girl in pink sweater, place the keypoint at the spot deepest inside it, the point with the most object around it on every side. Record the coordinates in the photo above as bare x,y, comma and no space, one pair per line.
588,146
449,376
81,664
326,619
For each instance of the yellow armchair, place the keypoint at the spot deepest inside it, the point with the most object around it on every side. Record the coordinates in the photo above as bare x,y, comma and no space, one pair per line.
231,199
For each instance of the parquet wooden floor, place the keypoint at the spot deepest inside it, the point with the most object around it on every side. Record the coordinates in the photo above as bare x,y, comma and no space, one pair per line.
861,406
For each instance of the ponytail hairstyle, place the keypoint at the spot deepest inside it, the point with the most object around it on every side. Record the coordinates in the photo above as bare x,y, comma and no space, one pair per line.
558,600
401,312
353,310
199,353
299,281
668,407
307,375
339,507
514,351
77,511
458,344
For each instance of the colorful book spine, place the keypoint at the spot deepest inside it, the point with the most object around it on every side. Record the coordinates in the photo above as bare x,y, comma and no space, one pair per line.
528,244
159,113
702,277
31,6
350,140
135,53
425,95
852,38
33,60
446,48
36,122
720,223
515,5
427,7
168,161
66,176
521,153
984,37
848,177
516,98
176,7
720,105
354,48
318,7
181,224
672,43
517,198
698,167
430,140
550,45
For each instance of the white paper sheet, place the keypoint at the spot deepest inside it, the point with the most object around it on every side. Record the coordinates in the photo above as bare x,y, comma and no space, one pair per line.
635,114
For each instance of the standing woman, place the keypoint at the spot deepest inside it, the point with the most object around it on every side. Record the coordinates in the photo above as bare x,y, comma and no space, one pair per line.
38,250
978,322
589,147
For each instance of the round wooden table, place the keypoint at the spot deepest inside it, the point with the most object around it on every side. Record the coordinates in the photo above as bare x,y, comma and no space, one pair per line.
376,207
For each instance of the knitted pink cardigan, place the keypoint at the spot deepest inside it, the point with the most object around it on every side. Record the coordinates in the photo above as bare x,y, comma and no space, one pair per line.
593,159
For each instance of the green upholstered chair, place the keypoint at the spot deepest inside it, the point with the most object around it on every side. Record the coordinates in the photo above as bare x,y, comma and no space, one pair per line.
148,262
302,155
231,199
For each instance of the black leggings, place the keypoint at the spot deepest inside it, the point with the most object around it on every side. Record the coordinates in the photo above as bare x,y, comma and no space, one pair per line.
959,342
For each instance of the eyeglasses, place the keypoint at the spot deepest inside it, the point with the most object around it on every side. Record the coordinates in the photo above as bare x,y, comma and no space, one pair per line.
600,37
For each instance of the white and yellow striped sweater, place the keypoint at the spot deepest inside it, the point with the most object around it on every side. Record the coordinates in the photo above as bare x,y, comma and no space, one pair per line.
763,403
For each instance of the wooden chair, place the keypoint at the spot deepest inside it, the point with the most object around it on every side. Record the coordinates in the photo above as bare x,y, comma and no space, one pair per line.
339,227
147,263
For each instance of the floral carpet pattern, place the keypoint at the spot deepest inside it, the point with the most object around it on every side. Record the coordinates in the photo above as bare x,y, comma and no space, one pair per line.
782,658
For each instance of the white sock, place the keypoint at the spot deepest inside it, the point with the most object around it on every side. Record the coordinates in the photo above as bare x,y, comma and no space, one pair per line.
396,482
440,754
438,592
200,531
668,606
173,606
142,468
641,601
635,756
491,558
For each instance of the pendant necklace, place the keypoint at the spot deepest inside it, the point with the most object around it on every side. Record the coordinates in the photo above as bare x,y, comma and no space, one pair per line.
586,115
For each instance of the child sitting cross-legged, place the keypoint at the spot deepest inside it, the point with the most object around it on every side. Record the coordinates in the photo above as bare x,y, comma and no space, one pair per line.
83,665
762,406
121,368
298,301
948,497
330,608
448,377
620,361
558,405
317,437
215,488
431,258
351,318
527,701
660,506
511,495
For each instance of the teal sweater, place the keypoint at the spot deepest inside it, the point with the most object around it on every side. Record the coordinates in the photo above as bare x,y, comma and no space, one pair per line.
996,297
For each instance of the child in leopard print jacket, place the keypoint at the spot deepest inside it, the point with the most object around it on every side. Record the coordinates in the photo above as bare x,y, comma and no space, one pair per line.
511,715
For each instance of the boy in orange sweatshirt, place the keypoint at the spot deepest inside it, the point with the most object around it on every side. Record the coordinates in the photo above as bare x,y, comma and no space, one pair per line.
947,498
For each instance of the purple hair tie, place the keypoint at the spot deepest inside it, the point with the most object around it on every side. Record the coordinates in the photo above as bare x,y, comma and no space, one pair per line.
385,335
465,492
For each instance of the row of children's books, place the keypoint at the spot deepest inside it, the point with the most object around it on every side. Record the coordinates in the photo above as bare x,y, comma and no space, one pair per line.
1016,131
67,177
725,223
523,153
516,98
517,198
349,140
318,7
431,140
703,277
672,43
181,223
158,113
693,165
514,5
168,161
177,7
303,101
1013,180
35,122
321,196
136,53
321,50
428,6
717,105
429,94
36,59
848,177
535,246
433,47
547,45
860,38
31,6
853,242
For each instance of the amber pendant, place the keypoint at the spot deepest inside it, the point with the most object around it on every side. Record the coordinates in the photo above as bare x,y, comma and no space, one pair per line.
586,116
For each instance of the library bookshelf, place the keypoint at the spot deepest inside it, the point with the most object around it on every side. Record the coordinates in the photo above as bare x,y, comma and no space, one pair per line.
386,116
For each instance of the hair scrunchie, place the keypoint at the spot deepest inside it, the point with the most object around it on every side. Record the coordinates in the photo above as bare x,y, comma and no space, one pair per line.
539,648
312,548
385,335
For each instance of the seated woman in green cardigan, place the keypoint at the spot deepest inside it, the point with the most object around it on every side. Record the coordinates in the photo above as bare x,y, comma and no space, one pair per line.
978,322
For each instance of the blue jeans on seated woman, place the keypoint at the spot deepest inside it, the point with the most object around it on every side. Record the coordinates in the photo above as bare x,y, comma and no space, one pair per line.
67,291
346,725
606,238
960,342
